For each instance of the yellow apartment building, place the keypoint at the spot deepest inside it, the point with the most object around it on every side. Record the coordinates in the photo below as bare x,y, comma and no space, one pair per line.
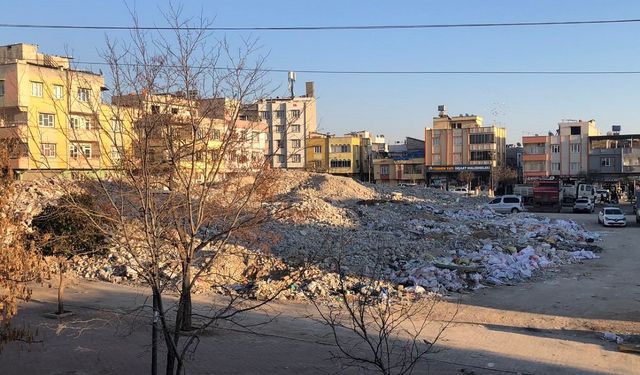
345,155
52,117
462,143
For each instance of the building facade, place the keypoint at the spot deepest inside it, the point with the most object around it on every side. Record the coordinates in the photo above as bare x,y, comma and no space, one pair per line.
614,156
514,154
403,164
563,155
289,121
346,155
52,116
461,143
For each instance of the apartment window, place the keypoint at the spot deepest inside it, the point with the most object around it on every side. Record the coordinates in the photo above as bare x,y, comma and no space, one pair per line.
555,149
457,159
575,130
46,120
436,159
1,87
83,94
81,149
116,125
116,153
574,167
340,163
296,158
265,115
155,109
174,111
340,148
279,128
295,128
384,169
606,162
296,143
36,89
57,92
574,148
282,158
555,167
279,114
295,113
534,148
77,122
476,139
216,134
435,142
481,155
48,150
457,141
280,144
317,149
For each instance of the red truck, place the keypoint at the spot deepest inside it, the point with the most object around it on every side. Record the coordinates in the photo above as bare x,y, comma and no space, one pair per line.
547,195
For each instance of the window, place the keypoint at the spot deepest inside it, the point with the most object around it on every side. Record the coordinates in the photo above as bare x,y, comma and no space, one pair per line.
174,111
279,128
116,153
435,142
295,128
77,122
317,149
280,144
384,169
340,163
457,141
36,89
295,113
265,115
296,143
81,149
83,94
574,148
340,148
48,150
534,148
296,158
279,114
57,92
575,130
606,162
1,87
574,167
457,158
555,167
481,138
555,149
481,155
282,158
511,200
46,120
436,159
155,109
216,133
116,125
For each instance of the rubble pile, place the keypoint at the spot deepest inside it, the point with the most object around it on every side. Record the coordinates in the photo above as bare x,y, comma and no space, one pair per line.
339,231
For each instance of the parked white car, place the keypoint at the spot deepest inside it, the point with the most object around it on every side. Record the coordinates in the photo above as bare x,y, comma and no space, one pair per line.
461,190
612,216
583,205
507,203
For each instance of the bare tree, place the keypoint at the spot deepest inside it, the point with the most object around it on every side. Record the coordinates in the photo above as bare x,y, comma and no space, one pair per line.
20,263
375,329
466,177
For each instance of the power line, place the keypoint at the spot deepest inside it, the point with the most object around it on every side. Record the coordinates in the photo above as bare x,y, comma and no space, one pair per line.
323,28
364,72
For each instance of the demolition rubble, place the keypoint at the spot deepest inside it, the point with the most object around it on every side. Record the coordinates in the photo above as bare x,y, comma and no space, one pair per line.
339,232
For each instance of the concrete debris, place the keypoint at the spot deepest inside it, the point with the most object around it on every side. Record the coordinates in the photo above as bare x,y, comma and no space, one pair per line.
340,233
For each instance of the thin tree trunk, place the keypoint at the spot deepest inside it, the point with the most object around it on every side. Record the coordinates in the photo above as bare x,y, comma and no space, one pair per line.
154,335
60,288
185,300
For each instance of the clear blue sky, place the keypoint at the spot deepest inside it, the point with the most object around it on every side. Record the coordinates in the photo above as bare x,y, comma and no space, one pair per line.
400,106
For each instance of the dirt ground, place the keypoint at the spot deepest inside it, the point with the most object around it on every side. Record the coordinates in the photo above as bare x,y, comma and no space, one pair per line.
551,325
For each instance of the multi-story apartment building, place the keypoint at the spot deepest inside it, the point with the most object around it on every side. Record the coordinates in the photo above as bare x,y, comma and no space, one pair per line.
346,155
289,121
564,154
614,156
514,160
404,163
461,143
52,116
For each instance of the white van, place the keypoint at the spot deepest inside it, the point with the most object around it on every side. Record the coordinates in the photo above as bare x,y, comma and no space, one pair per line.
507,203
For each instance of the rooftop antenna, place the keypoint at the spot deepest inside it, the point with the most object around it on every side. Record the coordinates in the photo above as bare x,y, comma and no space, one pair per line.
292,80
